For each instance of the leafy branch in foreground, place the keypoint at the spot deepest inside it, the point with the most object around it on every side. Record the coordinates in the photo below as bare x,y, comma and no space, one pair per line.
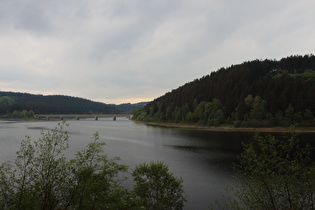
156,188
42,178
273,174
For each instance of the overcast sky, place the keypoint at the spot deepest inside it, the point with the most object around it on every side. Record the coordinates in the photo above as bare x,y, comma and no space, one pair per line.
117,51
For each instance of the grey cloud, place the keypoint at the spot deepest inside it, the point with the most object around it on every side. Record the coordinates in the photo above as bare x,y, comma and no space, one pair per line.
32,20
136,25
123,49
25,15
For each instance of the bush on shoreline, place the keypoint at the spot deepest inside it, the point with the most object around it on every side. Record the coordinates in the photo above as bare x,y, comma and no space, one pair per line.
24,114
272,174
42,178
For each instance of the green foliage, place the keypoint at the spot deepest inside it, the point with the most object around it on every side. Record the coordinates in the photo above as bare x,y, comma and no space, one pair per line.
157,188
24,114
257,114
252,112
247,94
274,174
94,182
308,74
5,103
42,178
36,180
214,112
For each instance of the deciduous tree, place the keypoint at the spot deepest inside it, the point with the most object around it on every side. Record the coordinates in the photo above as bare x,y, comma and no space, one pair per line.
157,188
274,174
42,178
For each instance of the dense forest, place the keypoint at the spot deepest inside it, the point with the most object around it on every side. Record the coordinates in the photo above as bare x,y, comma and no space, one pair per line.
254,93
25,105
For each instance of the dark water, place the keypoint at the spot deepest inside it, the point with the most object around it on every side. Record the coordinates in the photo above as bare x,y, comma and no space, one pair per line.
202,158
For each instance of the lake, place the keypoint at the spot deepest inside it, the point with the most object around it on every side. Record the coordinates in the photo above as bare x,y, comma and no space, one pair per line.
202,158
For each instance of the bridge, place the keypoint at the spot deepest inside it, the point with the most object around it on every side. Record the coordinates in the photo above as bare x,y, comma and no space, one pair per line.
78,116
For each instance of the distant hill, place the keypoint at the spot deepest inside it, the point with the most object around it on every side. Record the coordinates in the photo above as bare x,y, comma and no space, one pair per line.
254,93
58,104
128,107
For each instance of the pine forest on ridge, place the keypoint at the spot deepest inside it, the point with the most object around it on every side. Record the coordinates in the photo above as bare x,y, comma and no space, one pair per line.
258,93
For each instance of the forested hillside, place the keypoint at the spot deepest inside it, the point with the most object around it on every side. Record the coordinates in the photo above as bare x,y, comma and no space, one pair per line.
254,93
12,104
128,107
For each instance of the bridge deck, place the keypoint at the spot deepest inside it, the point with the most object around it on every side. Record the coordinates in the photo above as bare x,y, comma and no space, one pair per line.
78,116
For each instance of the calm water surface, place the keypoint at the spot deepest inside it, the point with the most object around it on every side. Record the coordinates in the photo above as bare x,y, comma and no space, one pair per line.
202,158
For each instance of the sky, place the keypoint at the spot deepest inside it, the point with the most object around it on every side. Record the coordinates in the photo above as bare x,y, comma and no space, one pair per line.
121,51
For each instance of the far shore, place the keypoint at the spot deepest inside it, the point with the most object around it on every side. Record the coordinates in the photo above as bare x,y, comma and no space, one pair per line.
231,128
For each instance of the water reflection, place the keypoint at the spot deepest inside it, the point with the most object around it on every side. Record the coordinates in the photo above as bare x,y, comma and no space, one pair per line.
185,148
38,128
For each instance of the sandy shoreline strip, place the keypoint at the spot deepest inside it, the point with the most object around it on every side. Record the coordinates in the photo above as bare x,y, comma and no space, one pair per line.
230,128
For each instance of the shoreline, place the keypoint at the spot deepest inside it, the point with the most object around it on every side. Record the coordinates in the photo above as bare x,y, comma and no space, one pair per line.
209,128
230,128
